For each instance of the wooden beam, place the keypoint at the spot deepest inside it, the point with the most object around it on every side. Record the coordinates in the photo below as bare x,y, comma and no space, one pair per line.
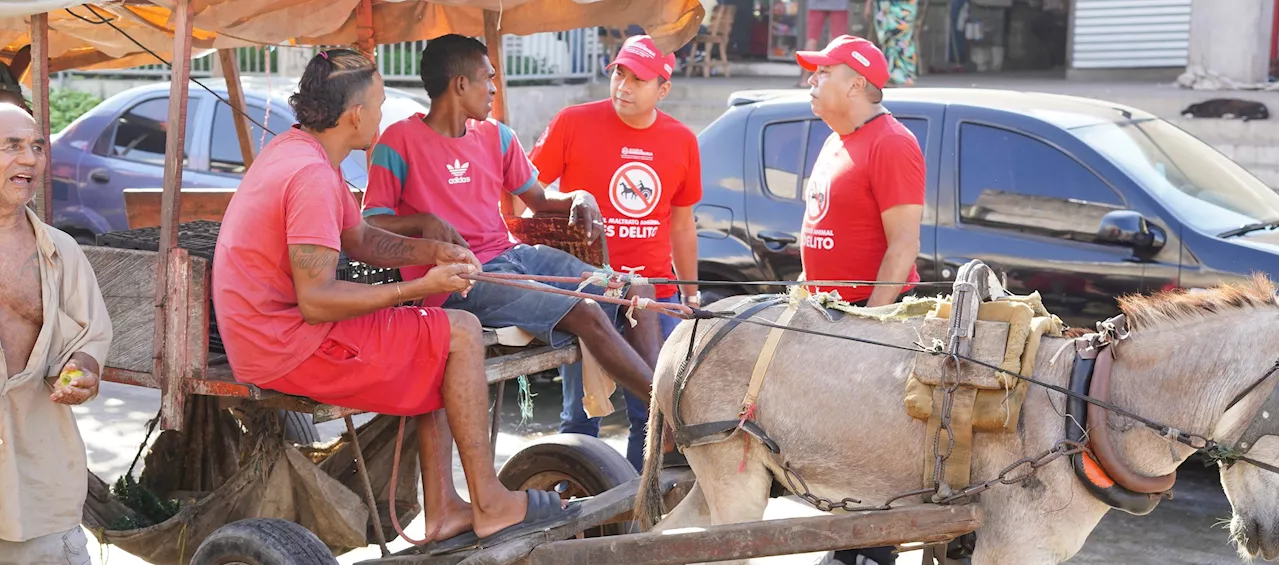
40,98
493,40
917,523
170,303
235,95
367,45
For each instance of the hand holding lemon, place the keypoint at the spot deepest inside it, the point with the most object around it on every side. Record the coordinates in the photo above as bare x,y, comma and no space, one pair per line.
76,383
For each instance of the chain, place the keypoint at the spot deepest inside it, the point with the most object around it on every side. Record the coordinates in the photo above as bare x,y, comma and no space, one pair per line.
1032,464
940,458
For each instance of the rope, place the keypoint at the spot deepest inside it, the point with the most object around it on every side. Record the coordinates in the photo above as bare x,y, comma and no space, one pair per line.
519,281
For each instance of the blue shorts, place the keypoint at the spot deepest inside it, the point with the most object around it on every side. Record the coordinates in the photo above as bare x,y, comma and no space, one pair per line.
538,313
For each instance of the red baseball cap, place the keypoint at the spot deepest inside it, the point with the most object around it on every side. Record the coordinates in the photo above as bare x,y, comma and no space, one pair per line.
858,53
642,57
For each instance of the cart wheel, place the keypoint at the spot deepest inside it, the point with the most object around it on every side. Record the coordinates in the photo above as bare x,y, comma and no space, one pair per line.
575,465
299,428
262,541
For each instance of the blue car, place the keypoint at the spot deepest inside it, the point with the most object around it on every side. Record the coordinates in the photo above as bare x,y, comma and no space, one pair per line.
1082,200
120,143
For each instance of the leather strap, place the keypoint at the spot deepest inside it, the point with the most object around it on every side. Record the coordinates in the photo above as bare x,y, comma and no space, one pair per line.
688,366
716,432
1100,435
1264,423
765,358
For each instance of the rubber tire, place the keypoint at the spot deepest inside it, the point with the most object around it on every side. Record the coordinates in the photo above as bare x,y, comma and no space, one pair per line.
587,460
299,427
263,541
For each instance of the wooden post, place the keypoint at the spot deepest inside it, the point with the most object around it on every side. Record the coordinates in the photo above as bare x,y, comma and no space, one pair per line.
169,307
493,40
40,98
367,45
231,71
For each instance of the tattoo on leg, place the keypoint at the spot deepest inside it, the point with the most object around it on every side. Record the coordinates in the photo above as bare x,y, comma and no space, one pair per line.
313,259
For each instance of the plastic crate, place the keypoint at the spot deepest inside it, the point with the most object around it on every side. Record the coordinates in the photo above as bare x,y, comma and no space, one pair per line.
200,238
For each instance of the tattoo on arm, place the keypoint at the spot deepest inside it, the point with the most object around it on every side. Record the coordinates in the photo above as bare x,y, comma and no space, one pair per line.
313,260
389,248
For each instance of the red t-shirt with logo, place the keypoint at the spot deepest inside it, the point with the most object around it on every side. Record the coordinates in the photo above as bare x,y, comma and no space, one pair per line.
460,180
855,179
636,176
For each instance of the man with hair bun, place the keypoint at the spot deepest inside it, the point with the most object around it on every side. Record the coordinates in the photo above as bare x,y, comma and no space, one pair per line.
289,326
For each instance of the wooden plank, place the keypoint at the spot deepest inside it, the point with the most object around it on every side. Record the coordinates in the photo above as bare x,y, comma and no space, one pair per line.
168,311
916,523
40,99
528,362
174,369
235,95
128,279
595,511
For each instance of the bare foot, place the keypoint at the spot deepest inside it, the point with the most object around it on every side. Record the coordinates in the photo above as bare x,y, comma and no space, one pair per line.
502,509
455,520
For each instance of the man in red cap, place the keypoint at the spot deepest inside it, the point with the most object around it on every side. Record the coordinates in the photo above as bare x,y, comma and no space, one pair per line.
643,167
865,197
866,194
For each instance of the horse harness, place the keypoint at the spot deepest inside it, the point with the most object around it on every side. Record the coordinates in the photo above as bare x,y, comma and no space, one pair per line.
1090,452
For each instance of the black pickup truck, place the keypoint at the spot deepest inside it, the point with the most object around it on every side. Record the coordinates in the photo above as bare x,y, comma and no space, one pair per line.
1079,199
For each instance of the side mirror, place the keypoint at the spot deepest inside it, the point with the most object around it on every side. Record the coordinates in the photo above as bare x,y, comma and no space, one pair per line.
1129,228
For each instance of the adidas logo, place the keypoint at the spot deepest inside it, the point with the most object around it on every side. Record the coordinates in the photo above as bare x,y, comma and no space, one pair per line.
458,169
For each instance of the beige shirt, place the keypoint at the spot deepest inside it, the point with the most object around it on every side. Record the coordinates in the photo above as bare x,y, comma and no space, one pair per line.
43,468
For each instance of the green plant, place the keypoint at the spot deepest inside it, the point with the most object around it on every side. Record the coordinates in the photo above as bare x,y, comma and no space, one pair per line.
65,105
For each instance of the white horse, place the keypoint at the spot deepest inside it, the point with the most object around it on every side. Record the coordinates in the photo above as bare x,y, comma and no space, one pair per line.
835,410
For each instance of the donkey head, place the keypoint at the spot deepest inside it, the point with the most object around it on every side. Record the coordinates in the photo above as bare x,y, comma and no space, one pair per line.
1216,351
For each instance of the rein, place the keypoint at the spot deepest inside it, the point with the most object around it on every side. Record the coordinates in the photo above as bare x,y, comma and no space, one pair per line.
614,281
1212,449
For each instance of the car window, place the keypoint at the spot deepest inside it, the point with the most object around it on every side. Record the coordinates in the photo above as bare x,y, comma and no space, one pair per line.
1013,181
819,132
139,134
224,145
782,146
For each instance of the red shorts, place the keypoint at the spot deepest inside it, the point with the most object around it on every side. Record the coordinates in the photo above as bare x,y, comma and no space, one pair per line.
389,362
839,20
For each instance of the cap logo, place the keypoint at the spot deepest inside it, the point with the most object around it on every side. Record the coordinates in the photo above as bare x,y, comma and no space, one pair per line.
667,68
641,50
861,59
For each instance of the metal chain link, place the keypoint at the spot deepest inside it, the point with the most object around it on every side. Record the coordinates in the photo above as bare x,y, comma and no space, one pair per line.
1061,449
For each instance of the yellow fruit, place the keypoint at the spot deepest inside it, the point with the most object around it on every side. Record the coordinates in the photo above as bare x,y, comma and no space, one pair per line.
67,376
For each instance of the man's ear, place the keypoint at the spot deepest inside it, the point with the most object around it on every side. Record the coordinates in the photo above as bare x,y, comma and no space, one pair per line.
352,115
664,89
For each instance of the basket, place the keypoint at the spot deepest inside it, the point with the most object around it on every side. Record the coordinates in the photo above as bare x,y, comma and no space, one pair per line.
555,231
200,238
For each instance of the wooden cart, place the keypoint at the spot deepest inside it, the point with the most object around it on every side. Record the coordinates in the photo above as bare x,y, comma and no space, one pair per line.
159,304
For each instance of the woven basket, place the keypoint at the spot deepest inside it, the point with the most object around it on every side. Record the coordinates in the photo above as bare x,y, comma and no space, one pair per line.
555,231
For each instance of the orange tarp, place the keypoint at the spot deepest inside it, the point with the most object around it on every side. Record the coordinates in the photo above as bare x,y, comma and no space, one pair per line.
80,40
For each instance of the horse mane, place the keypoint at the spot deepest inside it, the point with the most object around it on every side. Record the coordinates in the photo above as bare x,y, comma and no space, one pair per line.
1171,307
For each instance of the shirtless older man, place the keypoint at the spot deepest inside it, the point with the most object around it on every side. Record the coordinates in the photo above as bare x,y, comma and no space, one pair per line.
52,321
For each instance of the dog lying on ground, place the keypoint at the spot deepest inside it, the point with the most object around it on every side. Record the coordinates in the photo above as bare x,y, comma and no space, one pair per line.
1229,108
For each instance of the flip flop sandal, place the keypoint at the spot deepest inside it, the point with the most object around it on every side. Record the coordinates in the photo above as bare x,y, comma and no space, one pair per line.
544,512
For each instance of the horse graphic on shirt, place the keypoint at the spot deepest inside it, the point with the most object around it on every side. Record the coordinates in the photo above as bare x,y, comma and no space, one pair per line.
644,192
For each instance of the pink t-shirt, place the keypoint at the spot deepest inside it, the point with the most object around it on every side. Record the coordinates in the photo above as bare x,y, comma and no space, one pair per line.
292,195
416,170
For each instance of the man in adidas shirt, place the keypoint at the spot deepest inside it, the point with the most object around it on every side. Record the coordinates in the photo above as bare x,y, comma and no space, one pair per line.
442,175
642,166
